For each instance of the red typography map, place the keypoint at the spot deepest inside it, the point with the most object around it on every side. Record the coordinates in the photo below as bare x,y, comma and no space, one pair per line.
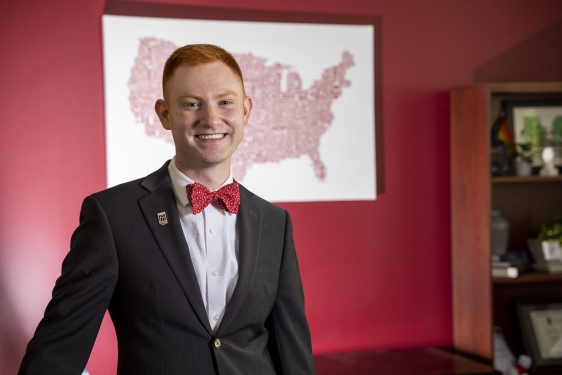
287,121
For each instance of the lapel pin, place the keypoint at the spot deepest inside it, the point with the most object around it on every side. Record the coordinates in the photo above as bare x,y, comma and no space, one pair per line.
162,218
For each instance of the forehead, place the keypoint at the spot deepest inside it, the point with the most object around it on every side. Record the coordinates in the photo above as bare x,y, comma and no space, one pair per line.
215,75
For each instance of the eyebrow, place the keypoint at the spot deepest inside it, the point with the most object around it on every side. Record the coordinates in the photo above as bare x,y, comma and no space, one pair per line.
226,93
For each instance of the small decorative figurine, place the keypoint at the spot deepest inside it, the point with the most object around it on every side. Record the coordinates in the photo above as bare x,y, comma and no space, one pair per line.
548,169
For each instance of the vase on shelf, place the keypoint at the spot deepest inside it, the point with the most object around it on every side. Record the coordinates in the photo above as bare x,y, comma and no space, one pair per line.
500,233
523,168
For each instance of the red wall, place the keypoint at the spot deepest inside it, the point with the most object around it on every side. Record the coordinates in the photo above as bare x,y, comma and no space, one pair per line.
376,274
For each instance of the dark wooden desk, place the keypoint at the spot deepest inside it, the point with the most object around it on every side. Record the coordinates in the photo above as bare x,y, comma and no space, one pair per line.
418,361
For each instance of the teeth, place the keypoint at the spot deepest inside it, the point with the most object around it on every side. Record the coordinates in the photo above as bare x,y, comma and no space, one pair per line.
210,136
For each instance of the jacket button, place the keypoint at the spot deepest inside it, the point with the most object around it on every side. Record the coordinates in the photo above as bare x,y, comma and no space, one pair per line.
217,343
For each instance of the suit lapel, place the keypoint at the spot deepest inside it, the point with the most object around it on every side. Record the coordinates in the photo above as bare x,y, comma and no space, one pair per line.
249,230
170,237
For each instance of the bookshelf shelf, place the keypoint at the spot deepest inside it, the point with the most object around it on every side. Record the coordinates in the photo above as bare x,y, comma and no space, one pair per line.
529,278
525,180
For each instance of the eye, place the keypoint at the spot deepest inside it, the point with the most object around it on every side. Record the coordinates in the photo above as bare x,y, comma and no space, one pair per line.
225,102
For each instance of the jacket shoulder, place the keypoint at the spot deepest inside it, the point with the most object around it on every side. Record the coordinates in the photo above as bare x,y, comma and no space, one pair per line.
136,189
264,205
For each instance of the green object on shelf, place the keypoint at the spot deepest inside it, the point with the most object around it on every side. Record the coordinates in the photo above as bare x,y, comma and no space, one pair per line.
552,232
525,151
534,130
557,131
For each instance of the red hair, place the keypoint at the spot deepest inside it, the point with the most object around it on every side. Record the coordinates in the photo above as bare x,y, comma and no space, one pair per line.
198,54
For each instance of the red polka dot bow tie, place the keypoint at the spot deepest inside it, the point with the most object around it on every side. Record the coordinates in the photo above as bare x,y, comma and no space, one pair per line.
227,197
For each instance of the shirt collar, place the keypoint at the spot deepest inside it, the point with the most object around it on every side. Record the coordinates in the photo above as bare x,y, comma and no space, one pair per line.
180,181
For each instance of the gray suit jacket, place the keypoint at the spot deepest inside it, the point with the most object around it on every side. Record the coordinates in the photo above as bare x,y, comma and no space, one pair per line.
123,259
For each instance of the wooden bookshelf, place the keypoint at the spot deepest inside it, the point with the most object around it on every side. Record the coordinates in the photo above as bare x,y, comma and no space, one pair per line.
479,301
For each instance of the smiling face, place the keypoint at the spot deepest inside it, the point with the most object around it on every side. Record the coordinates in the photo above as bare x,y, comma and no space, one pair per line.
206,109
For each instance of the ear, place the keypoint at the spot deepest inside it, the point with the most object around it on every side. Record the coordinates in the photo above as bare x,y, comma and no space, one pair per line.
163,112
247,109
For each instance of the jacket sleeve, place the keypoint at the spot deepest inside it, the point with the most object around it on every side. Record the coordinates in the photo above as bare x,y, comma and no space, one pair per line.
289,343
65,336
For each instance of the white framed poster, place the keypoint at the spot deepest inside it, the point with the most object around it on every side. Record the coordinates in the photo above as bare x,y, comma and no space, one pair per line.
311,134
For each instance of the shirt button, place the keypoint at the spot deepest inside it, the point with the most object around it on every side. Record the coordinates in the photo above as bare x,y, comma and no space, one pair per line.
215,273
216,318
217,343
212,230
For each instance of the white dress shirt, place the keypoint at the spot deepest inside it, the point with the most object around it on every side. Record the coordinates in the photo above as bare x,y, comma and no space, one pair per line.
213,246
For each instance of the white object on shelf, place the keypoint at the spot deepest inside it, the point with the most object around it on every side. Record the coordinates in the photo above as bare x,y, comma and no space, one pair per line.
549,169
523,168
546,254
511,272
551,250
503,356
544,251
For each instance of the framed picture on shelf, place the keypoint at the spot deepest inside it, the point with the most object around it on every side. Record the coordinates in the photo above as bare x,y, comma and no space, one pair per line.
541,329
539,123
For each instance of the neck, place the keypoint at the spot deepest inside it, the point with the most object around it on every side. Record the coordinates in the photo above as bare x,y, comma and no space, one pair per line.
211,177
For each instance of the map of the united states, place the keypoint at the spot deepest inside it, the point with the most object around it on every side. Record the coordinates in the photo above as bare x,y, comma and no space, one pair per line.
287,121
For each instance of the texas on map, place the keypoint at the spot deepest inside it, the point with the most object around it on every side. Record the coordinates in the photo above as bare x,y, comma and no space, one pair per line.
287,121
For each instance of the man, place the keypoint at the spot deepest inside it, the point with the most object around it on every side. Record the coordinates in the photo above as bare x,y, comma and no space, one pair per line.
191,288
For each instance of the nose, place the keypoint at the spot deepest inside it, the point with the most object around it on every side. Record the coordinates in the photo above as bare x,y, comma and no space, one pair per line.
211,116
